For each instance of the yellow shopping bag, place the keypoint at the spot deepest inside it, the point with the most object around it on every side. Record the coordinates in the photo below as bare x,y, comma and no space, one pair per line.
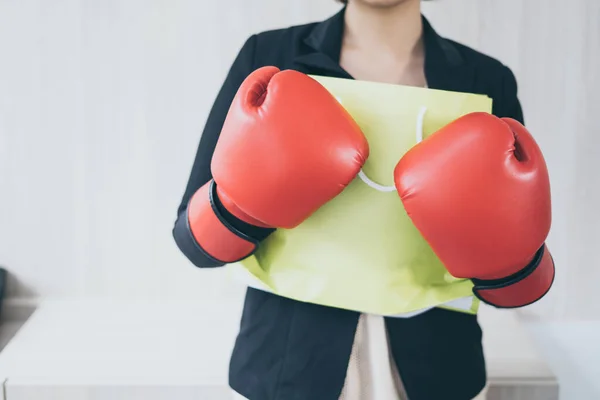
361,251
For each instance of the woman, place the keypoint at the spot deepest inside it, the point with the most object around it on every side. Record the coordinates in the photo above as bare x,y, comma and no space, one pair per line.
294,350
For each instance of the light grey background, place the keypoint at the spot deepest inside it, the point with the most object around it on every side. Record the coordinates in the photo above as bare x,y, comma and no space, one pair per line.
102,104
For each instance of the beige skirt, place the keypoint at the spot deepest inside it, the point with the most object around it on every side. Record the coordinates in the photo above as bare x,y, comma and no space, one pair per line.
372,372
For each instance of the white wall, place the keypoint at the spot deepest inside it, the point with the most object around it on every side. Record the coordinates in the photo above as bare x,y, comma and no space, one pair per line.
102,104
101,108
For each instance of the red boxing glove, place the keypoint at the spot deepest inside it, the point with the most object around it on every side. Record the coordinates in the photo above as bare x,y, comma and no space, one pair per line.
287,147
479,193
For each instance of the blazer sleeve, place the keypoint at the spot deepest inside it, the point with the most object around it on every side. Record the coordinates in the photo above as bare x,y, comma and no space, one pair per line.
508,104
200,174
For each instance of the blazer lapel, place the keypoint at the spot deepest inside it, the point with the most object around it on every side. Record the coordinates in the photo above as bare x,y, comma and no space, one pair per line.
445,67
323,45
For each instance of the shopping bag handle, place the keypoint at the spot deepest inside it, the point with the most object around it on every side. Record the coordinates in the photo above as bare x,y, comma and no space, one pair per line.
418,137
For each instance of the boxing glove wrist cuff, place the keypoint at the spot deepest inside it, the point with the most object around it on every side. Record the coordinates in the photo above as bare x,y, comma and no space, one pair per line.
213,234
522,288
233,218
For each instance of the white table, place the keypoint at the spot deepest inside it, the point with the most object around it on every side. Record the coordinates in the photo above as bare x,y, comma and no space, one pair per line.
101,350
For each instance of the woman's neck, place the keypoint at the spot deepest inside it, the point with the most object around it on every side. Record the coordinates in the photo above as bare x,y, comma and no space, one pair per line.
394,30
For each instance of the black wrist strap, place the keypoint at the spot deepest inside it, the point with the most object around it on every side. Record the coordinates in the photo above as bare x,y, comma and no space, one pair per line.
482,284
236,225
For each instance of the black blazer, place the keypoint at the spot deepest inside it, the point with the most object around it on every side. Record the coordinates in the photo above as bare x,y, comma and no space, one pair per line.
290,350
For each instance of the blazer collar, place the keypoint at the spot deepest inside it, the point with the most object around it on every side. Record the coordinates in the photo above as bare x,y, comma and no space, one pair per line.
445,66
324,44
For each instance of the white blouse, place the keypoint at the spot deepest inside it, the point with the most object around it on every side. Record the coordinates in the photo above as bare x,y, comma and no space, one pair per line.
372,372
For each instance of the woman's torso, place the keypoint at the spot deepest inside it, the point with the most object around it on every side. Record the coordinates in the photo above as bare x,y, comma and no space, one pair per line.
295,351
